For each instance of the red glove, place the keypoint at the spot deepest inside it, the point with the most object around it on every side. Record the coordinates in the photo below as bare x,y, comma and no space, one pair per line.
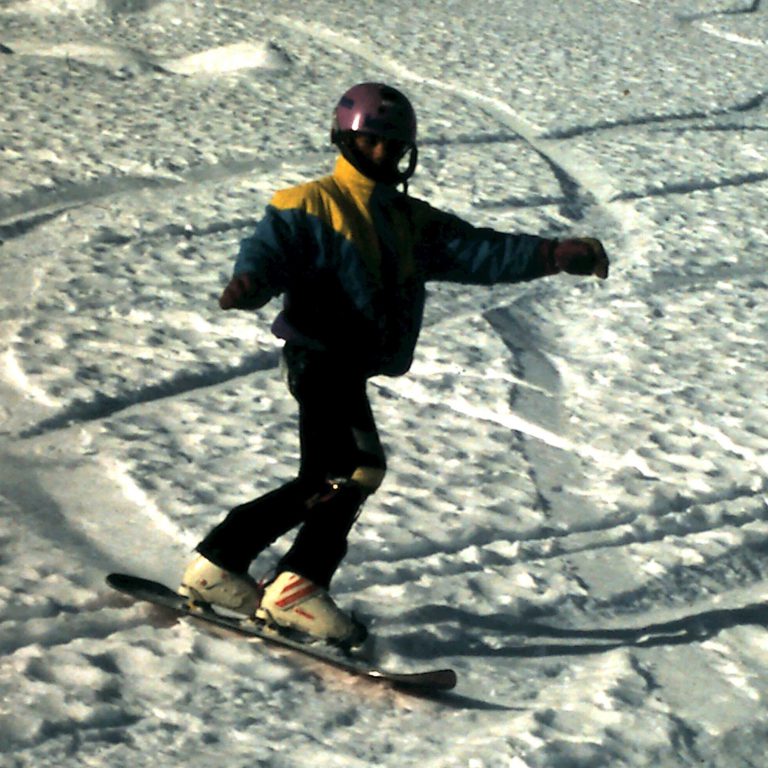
238,291
578,256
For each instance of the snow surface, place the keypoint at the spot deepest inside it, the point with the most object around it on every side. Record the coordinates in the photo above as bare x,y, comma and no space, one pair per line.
576,514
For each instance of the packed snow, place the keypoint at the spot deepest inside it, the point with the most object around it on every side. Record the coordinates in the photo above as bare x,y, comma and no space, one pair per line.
576,512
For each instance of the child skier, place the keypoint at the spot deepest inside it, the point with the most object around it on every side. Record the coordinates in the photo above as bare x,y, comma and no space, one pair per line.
351,255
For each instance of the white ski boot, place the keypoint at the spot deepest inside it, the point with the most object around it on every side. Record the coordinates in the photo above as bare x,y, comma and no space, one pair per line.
203,581
291,601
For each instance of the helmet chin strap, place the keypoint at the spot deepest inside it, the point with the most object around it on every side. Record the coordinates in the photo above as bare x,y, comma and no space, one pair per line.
372,171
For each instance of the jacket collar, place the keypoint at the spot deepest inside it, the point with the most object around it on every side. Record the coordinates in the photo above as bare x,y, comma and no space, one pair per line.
347,175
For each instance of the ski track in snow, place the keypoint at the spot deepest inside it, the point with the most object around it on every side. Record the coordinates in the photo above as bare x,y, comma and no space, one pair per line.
25,212
215,61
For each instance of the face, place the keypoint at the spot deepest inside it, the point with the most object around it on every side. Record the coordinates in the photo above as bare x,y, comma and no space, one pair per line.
383,153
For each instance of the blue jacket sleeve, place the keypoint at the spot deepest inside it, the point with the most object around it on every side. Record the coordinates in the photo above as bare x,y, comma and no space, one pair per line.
459,252
263,254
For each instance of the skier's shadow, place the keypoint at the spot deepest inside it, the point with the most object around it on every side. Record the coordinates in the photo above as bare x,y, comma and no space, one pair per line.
545,640
557,641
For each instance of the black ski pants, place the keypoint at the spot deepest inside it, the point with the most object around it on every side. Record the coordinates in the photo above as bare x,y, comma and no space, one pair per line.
342,463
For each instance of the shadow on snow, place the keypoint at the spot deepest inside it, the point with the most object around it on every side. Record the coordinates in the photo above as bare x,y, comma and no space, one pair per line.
543,640
104,406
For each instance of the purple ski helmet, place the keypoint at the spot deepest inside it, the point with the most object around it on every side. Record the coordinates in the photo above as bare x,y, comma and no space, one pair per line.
379,110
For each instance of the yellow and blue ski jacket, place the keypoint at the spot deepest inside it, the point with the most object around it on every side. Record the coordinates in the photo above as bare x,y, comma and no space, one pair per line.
352,257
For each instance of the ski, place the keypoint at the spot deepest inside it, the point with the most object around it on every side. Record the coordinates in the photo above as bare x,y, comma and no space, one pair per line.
146,590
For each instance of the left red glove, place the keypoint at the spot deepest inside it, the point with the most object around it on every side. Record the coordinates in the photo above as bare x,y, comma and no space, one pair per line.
238,291
578,256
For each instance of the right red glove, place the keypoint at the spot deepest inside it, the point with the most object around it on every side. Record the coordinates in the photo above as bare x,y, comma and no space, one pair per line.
581,256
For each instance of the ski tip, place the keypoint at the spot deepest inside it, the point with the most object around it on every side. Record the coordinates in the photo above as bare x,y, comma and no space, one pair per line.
125,580
450,679
139,587
115,579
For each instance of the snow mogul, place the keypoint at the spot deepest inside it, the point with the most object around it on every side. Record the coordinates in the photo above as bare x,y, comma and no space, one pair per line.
350,253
